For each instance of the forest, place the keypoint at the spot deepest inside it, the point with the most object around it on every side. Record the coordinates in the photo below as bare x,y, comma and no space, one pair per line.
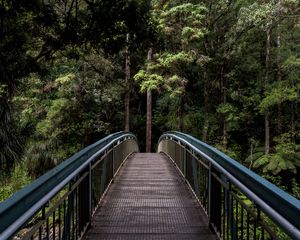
74,71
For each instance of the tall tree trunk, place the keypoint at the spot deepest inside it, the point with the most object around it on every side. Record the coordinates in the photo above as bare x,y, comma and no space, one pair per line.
224,139
206,122
127,83
267,133
267,120
149,121
279,77
149,113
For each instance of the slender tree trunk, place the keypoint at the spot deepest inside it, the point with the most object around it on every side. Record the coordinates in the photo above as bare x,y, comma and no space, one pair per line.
279,77
224,132
251,154
149,113
149,122
267,120
127,83
206,122
267,133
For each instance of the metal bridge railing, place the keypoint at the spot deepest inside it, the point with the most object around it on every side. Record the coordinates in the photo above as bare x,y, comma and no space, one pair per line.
60,204
239,203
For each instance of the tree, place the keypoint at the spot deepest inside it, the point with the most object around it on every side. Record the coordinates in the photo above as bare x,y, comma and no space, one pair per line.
36,33
181,27
16,61
149,113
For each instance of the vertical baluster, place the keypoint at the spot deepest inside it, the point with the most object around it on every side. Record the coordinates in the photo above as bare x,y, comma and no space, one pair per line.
227,225
47,228
53,222
256,219
202,186
237,218
90,186
209,193
262,233
223,215
205,180
248,226
231,212
242,222
227,208
40,232
72,216
77,192
59,221
64,216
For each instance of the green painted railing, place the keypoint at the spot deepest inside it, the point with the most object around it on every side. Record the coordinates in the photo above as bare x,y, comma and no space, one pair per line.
60,203
239,203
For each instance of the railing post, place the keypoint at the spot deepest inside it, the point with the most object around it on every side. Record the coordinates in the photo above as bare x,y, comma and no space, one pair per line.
215,200
230,212
209,192
90,191
195,176
103,177
184,161
113,161
69,215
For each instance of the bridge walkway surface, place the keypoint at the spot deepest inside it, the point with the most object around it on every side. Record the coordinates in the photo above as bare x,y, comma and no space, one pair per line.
149,200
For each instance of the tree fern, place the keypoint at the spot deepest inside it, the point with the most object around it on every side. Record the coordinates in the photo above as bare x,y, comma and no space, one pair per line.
285,156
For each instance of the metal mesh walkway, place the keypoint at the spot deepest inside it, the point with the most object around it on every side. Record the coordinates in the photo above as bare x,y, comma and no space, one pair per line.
149,200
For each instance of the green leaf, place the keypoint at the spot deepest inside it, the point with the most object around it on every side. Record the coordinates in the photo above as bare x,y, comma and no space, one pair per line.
278,94
254,156
262,161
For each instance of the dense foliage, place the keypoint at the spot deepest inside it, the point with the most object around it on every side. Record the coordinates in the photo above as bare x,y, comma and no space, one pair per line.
224,71
228,73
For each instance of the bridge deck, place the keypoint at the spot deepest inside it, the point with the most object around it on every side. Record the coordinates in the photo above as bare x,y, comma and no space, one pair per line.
149,200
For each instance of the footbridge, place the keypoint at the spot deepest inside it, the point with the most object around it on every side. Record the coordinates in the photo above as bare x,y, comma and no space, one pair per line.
187,190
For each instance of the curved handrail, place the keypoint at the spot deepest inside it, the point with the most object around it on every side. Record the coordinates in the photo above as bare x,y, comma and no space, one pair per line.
270,198
19,208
